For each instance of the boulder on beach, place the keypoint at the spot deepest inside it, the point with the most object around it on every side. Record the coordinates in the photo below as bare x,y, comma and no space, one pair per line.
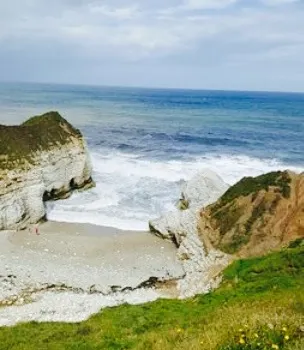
44,158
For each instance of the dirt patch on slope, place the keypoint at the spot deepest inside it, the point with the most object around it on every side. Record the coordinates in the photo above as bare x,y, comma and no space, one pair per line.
256,215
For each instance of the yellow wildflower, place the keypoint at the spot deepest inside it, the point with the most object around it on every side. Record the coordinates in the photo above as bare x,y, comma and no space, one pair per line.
284,329
179,330
275,346
256,335
242,341
241,330
286,337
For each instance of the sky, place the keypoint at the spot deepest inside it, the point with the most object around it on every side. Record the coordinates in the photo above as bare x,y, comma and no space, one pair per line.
199,44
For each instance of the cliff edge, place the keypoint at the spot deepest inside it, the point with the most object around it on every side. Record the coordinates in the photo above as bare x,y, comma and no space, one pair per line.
256,215
42,159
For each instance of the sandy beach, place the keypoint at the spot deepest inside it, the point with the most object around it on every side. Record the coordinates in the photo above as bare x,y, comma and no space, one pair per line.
80,268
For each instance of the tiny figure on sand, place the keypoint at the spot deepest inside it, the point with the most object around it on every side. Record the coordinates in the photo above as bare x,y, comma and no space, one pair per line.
35,230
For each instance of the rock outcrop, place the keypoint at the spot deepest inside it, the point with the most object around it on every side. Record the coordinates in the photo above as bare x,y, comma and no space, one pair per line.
44,158
181,226
203,189
252,217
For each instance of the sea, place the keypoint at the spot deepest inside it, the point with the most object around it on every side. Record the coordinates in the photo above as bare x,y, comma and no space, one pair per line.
145,143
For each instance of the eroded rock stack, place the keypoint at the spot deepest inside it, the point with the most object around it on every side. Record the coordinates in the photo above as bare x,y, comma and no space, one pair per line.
43,158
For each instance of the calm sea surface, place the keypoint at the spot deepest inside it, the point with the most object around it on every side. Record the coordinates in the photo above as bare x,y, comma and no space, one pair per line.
145,142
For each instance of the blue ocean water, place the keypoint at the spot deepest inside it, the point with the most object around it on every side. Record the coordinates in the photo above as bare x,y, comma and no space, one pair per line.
145,142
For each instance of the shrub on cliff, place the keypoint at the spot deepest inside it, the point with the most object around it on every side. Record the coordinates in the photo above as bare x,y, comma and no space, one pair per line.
256,215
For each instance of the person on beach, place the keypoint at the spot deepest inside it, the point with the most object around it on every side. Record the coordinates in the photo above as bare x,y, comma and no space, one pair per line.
36,230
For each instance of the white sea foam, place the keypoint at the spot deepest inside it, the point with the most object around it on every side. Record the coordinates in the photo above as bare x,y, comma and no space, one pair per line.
131,190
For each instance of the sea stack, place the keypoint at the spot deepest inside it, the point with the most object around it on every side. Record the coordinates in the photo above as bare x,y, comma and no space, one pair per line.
45,158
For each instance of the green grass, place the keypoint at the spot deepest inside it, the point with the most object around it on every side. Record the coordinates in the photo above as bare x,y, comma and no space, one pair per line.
226,212
183,204
50,118
227,218
252,185
265,337
19,144
240,237
262,294
256,214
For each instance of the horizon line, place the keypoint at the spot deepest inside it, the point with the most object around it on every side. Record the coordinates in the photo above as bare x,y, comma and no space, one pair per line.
95,85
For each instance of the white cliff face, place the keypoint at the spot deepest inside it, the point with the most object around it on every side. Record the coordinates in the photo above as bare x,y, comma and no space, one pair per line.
203,189
201,265
55,173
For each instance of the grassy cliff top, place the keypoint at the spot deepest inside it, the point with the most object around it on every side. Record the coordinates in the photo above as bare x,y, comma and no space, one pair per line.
252,185
256,214
260,301
19,144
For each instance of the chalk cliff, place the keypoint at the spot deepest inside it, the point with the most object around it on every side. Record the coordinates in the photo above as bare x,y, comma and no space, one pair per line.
181,226
44,158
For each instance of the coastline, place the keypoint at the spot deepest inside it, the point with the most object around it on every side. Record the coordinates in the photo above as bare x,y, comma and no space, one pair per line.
70,271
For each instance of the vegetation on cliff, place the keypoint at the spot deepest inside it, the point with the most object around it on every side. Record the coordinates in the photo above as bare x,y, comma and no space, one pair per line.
20,144
252,185
256,214
260,305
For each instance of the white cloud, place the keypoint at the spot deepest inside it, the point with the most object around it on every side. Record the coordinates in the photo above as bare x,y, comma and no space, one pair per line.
279,2
197,5
207,4
192,34
119,13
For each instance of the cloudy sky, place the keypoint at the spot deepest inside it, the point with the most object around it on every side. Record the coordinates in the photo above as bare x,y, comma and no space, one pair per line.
210,44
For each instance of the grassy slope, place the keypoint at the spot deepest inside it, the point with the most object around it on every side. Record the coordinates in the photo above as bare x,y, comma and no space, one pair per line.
227,212
19,143
251,185
260,295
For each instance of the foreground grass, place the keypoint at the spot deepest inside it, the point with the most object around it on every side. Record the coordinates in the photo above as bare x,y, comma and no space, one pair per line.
260,305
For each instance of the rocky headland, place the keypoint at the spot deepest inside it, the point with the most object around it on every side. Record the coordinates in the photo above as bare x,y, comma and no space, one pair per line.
42,159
